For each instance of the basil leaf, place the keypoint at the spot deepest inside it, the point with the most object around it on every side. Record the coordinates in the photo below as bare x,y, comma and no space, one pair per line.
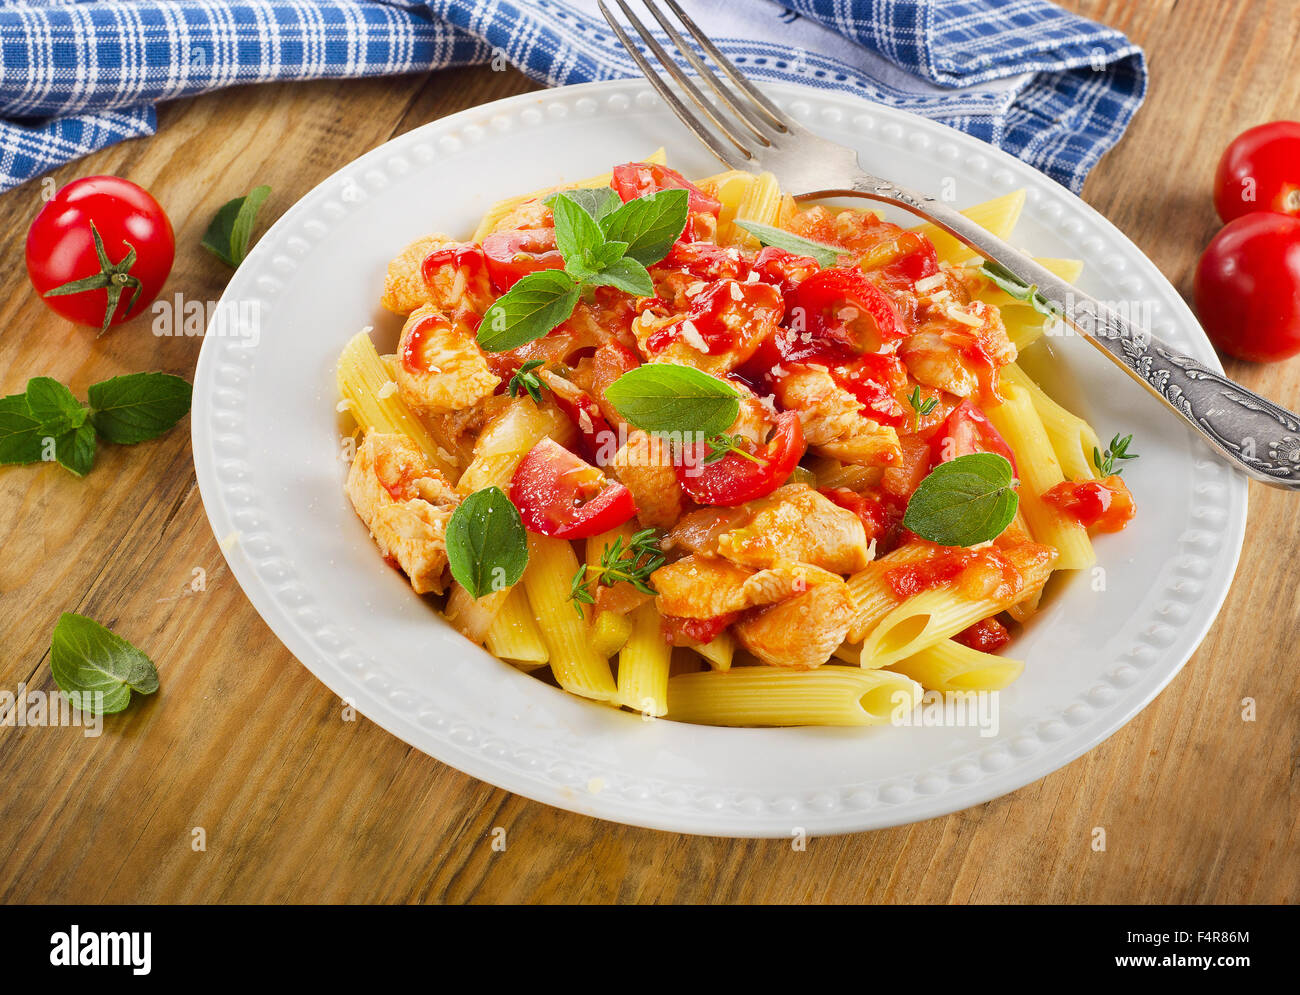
609,253
626,275
596,201
649,225
576,231
528,310
965,501
138,406
228,235
75,449
673,399
486,545
54,406
20,433
826,255
89,660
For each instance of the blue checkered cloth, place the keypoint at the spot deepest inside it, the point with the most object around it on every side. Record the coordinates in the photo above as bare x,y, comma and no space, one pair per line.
1050,87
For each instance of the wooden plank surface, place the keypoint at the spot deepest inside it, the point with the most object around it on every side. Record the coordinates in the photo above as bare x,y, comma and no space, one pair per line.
298,804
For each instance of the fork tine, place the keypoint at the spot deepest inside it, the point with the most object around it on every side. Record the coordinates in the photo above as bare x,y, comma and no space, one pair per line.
675,71
684,113
782,122
757,123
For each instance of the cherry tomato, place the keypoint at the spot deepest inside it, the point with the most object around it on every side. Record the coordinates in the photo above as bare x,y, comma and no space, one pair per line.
636,179
1106,503
1260,171
560,495
1247,287
512,255
595,437
735,479
842,308
136,239
968,430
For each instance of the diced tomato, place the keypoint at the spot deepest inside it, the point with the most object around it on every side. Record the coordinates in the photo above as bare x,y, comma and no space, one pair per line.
968,430
1106,504
705,261
560,495
987,635
735,479
901,479
512,255
636,179
981,573
902,259
683,631
875,379
841,309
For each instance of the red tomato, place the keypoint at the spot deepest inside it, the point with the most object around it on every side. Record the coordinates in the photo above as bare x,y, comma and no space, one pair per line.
636,179
735,479
594,434
560,495
986,635
1260,171
1247,287
1106,503
684,631
968,430
842,308
512,255
879,512
137,240
784,270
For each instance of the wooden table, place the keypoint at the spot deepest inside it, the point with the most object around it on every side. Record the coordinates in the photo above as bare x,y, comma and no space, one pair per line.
298,805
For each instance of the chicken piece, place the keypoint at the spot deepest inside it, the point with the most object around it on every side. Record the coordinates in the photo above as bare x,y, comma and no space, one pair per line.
797,523
944,351
644,465
440,367
832,418
531,213
459,283
803,631
705,587
406,504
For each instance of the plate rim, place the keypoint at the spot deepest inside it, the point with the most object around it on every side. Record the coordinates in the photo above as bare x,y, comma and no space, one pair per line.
606,806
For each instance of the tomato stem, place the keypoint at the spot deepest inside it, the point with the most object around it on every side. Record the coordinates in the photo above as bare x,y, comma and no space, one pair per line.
112,278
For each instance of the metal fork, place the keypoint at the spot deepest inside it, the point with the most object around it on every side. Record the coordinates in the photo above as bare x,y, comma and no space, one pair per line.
746,130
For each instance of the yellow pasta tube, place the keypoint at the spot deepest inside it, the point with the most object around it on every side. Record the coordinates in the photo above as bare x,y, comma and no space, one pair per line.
643,665
719,651
998,216
1072,438
513,633
939,613
952,666
1040,470
576,666
372,399
831,695
872,596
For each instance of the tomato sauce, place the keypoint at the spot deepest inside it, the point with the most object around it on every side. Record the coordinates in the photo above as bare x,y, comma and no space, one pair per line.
683,631
413,353
468,257
1106,504
981,573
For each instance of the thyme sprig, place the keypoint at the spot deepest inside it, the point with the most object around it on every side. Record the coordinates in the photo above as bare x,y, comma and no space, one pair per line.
632,562
1116,450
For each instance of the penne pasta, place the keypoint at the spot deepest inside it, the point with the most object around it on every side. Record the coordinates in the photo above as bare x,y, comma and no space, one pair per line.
643,665
1040,469
1073,439
513,633
576,666
951,666
831,695
998,216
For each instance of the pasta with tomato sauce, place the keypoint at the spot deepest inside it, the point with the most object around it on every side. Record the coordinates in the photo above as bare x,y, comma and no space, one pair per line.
703,412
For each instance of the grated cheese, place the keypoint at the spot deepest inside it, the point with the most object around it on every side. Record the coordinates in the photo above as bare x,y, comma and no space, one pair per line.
930,283
736,293
692,337
389,388
965,318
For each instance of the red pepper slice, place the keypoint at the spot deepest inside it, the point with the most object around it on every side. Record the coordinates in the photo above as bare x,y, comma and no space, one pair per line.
560,495
735,479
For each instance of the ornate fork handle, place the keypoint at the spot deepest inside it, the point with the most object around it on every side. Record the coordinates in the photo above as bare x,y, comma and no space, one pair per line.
1258,436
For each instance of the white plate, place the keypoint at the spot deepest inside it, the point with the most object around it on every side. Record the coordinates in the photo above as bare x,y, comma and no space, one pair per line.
266,439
